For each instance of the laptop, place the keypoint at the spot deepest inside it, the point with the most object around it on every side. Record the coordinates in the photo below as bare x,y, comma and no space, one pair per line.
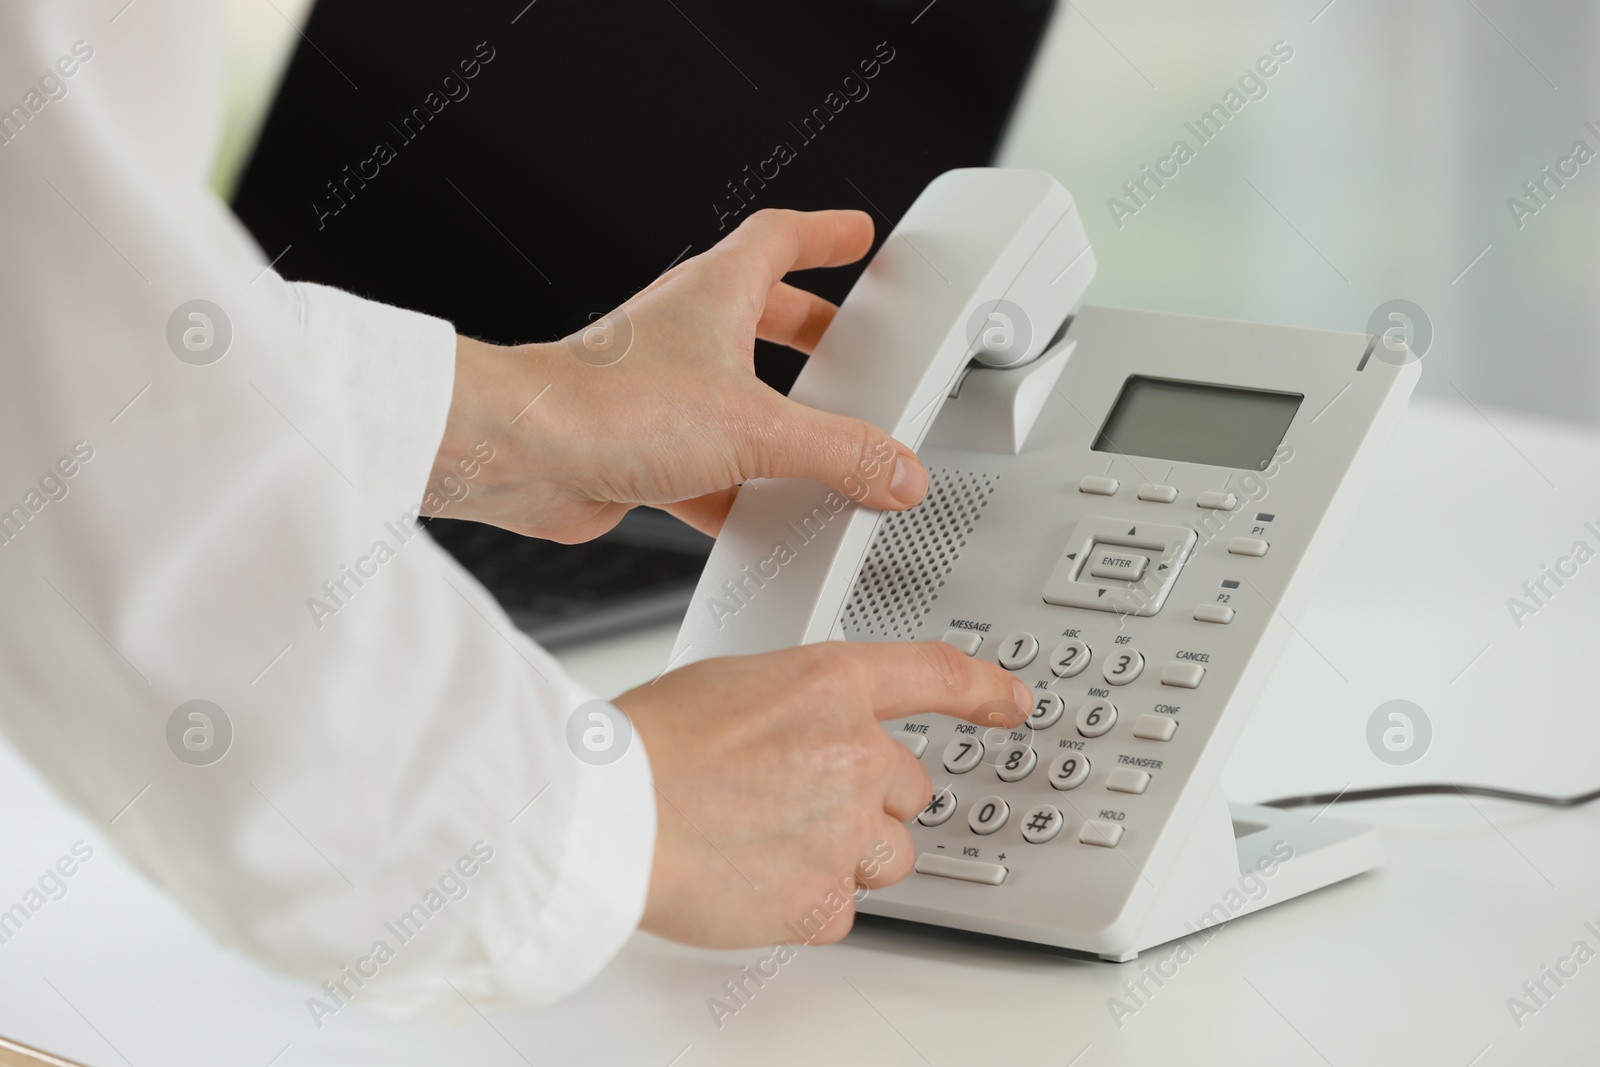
520,168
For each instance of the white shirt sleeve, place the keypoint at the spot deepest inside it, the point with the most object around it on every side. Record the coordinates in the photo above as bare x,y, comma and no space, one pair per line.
396,814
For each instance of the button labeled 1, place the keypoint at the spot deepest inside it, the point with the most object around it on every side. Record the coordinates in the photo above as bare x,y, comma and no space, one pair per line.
1018,650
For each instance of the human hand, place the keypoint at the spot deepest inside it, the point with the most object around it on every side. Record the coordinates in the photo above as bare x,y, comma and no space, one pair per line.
776,785
680,419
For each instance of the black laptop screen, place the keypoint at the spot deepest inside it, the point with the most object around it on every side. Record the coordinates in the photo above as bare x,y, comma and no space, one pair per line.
518,167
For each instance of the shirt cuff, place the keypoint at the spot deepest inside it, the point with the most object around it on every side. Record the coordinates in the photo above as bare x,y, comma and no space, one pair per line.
599,897
396,370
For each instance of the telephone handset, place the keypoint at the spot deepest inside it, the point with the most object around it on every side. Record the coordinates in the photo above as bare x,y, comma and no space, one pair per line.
1126,509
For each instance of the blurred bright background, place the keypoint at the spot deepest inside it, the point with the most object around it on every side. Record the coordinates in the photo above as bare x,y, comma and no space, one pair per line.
1378,166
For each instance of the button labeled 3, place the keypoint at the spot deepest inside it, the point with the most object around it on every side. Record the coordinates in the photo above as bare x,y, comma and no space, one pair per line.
1124,666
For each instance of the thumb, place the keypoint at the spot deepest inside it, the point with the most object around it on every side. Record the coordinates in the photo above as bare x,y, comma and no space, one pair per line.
853,457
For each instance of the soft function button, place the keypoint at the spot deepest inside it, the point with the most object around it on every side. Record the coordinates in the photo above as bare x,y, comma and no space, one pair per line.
1100,832
1046,711
1018,650
1042,823
1096,717
967,641
1069,770
1098,486
1218,613
939,809
1070,657
1247,546
1123,665
956,867
1155,727
916,743
1117,564
1128,780
1016,761
1182,675
1160,494
1217,501
963,754
988,815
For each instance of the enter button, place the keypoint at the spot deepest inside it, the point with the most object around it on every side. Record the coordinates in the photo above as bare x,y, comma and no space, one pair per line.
1121,566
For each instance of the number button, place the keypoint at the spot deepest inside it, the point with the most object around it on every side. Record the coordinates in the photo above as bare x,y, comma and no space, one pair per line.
1016,762
1094,719
1041,824
988,815
1046,712
963,754
1070,657
1018,650
1069,770
939,809
1124,666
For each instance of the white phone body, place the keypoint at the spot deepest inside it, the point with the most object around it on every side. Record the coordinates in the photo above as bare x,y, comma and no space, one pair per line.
1021,505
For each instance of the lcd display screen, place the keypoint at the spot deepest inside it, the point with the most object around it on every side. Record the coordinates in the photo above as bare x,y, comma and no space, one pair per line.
1193,422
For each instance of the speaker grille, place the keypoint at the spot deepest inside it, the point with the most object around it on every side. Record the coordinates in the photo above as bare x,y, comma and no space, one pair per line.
912,553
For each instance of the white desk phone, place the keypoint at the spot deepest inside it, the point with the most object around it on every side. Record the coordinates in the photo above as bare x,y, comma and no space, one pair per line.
1127,512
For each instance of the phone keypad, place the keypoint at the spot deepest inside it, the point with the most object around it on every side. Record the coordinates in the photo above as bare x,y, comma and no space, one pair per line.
1109,774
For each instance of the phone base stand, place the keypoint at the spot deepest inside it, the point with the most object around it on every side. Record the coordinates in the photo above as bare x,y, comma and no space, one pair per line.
1242,858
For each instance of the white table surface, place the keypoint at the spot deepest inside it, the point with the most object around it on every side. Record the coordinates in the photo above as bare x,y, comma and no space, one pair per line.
1411,964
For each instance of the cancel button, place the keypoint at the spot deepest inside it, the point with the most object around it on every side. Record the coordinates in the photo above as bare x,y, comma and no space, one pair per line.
1198,657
